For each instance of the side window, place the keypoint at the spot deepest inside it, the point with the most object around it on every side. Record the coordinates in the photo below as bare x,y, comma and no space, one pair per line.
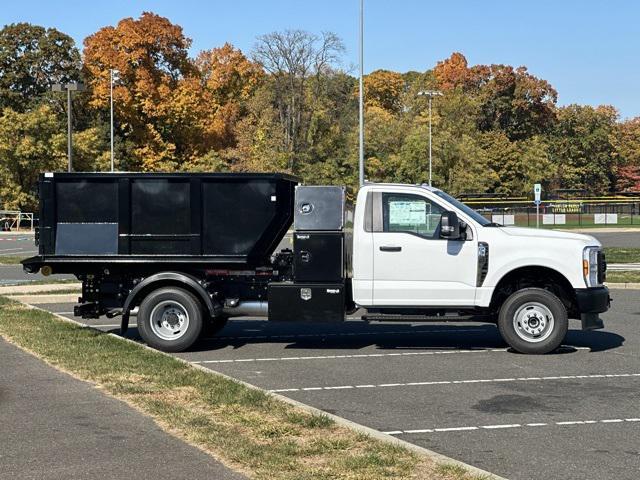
411,214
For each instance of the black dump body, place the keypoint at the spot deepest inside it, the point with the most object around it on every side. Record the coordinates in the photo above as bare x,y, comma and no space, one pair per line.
92,221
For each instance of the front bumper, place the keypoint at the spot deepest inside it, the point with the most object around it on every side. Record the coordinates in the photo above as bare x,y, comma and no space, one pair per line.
591,302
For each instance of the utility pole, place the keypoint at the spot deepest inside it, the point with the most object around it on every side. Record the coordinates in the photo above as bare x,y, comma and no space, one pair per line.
69,87
361,97
430,94
112,74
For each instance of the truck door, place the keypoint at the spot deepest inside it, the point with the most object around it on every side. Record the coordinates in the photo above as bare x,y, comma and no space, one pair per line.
412,265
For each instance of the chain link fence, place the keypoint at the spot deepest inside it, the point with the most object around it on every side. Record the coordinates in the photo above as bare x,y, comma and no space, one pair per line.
567,214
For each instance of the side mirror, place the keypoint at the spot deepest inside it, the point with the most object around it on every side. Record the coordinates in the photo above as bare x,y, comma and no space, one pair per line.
449,226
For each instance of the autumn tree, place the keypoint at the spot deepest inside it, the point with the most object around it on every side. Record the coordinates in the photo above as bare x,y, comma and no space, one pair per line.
384,89
626,142
151,55
292,59
516,102
32,59
227,79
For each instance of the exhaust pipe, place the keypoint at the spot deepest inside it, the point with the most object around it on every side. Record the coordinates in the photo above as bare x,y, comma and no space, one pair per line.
252,308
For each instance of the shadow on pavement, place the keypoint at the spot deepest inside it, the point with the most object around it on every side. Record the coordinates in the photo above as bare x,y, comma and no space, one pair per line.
357,335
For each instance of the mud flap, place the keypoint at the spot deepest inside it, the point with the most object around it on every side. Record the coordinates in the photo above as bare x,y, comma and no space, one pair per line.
591,321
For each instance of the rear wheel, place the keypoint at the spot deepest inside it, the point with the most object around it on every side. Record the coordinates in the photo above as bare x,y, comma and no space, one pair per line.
170,319
533,320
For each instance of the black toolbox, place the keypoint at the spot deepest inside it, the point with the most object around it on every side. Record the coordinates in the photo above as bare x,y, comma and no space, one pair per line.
306,302
318,257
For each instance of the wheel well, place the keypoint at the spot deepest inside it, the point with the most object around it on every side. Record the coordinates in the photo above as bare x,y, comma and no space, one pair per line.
534,276
137,300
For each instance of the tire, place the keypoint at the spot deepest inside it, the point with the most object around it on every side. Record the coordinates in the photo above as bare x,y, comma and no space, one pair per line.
170,319
533,320
213,325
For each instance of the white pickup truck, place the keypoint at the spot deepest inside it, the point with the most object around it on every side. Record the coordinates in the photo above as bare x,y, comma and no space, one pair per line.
407,253
528,281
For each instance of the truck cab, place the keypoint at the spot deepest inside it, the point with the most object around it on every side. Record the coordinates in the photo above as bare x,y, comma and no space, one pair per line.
416,248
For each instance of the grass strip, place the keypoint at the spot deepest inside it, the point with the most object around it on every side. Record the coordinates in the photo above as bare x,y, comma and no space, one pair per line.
10,259
246,429
622,255
623,276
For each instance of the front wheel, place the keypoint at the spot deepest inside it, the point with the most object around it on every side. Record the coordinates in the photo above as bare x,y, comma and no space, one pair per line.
533,320
170,319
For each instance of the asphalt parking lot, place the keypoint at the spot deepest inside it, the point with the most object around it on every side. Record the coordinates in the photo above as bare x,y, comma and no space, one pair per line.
455,388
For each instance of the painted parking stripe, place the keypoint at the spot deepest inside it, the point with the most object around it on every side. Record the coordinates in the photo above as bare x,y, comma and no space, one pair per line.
514,425
358,355
465,382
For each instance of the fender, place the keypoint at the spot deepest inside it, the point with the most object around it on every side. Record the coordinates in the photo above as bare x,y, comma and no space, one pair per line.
184,278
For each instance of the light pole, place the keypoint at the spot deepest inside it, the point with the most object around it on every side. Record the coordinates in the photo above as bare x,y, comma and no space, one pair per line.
113,74
69,87
430,94
361,97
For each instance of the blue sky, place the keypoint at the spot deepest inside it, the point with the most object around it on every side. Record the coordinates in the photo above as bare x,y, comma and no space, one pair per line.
588,50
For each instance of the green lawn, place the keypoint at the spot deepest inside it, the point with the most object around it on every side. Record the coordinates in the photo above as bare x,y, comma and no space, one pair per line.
623,277
10,259
622,255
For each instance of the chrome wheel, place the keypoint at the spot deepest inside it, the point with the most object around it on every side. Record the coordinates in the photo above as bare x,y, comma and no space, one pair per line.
169,320
533,322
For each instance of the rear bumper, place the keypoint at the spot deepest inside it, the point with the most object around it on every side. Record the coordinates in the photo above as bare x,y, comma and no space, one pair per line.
591,302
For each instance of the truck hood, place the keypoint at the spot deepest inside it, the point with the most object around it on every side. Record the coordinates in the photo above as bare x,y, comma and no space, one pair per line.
544,233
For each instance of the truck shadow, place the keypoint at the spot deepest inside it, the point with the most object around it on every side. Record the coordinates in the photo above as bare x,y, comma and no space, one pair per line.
356,335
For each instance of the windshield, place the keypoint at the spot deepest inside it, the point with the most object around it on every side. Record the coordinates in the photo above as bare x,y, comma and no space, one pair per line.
465,208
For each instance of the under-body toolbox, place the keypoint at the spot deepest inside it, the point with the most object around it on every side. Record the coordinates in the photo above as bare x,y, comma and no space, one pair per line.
306,302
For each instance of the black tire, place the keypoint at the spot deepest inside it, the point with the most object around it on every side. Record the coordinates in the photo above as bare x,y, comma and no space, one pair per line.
543,331
175,304
213,325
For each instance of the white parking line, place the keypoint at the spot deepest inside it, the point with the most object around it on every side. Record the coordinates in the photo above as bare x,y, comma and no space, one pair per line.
10,249
458,382
512,425
358,355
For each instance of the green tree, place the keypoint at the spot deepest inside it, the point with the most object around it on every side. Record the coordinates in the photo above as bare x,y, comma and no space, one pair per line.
32,59
30,143
581,148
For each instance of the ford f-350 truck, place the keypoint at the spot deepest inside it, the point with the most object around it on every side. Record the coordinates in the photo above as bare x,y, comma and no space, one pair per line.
184,253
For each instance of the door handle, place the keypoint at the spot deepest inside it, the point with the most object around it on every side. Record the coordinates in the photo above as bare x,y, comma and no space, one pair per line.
390,248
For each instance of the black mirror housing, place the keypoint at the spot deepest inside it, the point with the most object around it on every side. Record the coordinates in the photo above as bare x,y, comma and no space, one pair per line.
449,226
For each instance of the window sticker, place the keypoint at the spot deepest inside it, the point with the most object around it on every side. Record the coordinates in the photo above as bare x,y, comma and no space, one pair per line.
407,212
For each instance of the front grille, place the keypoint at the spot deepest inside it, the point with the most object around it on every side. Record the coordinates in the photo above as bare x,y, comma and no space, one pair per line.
602,267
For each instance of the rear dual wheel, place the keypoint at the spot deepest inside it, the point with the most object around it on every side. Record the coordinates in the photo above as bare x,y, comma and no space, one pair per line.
170,319
533,320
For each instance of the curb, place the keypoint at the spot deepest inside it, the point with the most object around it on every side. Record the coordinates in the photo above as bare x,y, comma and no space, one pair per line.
17,232
623,286
42,299
436,457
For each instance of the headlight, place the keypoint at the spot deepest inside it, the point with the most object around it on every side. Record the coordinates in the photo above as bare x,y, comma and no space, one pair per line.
590,266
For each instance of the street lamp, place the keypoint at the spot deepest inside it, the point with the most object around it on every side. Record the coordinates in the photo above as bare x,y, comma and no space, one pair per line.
360,97
113,76
430,94
69,87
